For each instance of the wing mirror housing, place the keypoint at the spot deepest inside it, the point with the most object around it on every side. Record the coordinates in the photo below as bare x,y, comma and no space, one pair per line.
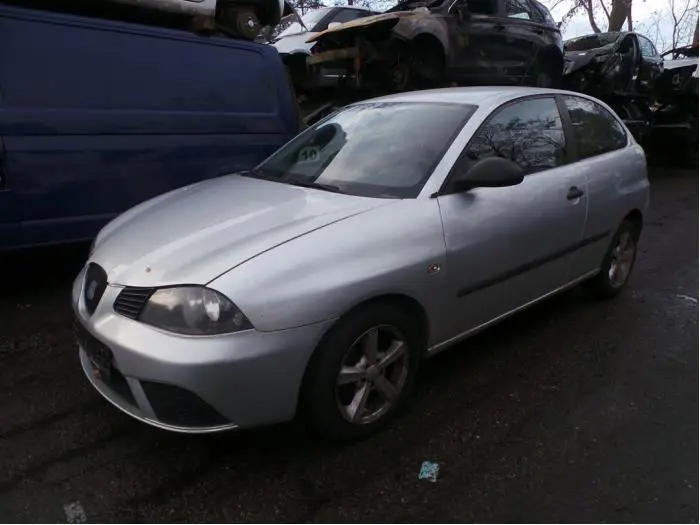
334,24
491,172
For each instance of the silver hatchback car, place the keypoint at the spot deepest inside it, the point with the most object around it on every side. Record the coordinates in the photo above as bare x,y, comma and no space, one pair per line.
315,283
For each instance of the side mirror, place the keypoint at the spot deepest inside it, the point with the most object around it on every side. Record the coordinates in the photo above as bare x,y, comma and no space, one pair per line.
334,24
491,172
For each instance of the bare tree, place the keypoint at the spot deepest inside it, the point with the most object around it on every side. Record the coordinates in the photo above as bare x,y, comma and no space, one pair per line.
673,25
614,13
685,20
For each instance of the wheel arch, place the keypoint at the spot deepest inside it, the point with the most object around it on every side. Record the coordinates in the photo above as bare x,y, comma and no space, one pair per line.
637,218
404,301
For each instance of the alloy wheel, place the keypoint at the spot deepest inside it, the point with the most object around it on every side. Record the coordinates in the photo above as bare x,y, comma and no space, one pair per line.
373,375
622,259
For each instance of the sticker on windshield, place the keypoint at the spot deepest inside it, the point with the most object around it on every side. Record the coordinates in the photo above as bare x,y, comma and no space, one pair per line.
308,154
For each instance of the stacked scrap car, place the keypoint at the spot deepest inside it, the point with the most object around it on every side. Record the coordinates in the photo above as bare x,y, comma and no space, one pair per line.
675,129
294,49
421,43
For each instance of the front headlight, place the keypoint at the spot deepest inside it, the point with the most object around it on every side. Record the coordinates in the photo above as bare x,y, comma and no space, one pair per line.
193,310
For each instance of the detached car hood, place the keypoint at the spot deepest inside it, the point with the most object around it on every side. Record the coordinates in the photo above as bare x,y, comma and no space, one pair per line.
196,233
389,19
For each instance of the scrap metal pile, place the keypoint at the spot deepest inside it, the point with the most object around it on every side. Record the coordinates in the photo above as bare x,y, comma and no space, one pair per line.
436,43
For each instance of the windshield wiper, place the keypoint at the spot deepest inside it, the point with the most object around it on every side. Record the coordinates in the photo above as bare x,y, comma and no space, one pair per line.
317,185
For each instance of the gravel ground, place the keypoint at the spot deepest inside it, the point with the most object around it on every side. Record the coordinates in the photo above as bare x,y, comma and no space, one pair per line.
575,411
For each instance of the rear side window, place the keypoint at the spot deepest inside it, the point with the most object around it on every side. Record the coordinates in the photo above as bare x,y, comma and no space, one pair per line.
595,129
648,49
518,9
529,133
541,14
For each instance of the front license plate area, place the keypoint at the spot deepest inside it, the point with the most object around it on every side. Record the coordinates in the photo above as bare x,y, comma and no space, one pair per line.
99,355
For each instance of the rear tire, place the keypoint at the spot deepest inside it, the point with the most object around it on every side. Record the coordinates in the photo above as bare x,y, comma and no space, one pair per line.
373,386
618,263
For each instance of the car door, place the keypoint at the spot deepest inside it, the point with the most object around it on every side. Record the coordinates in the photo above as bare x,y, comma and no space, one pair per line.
509,246
651,66
599,140
524,36
474,40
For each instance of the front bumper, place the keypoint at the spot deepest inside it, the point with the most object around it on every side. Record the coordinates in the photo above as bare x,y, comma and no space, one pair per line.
192,384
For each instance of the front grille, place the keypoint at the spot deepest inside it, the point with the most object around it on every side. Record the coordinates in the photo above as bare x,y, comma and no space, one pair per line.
131,300
94,286
176,406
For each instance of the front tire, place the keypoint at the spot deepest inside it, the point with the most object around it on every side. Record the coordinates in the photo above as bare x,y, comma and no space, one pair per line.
362,373
617,265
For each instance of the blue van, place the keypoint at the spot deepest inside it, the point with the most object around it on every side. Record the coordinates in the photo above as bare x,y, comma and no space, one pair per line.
98,115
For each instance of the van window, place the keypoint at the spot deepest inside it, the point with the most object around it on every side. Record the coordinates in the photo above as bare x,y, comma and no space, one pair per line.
133,71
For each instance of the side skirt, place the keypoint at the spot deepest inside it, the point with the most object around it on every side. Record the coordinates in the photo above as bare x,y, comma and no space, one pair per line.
435,349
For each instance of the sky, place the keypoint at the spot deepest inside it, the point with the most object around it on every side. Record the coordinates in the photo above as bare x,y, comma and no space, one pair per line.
646,16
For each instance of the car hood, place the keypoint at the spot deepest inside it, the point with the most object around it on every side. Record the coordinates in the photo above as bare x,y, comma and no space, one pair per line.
196,233
388,19
680,63
575,60
295,43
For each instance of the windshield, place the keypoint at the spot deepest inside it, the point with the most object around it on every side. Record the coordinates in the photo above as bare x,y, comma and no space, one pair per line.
374,149
584,43
409,5
310,20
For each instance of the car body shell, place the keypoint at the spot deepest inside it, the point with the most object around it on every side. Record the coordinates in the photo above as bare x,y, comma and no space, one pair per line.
295,260
483,49
617,68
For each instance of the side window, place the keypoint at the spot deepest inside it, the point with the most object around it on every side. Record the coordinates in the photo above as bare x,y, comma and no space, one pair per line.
529,133
518,9
541,13
648,49
481,7
536,14
346,15
595,129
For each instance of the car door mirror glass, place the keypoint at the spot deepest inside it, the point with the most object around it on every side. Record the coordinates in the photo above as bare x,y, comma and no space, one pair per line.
491,172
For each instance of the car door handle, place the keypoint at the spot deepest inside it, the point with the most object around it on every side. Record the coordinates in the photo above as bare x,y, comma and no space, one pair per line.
538,31
574,193
499,27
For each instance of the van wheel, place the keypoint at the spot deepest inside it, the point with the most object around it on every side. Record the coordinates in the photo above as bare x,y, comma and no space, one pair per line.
362,373
242,20
616,268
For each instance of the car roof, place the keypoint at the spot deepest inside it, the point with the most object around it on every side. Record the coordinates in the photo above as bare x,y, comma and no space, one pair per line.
477,95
